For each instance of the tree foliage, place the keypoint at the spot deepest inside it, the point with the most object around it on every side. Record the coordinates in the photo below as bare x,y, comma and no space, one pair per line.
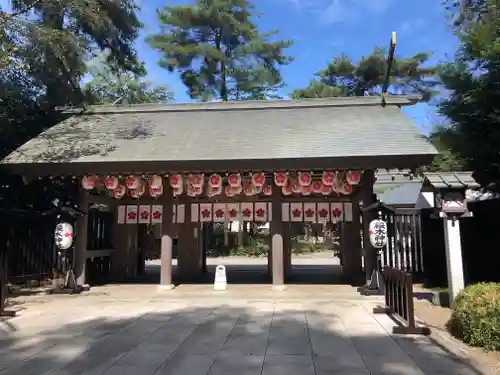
109,86
343,77
474,82
219,51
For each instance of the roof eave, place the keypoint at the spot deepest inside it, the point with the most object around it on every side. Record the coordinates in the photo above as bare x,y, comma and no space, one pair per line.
345,162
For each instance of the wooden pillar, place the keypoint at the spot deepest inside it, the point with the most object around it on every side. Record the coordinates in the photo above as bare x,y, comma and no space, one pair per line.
166,238
277,244
81,229
287,249
367,196
189,261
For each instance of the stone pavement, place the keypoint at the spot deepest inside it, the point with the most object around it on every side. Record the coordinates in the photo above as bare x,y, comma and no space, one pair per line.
148,333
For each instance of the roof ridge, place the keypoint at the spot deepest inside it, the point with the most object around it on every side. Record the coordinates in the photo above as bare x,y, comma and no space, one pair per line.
397,100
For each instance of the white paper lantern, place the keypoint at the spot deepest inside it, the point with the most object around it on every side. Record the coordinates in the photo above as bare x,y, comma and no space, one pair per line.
378,233
287,189
215,180
175,180
138,192
111,182
258,179
156,191
119,191
132,182
353,177
280,178
89,182
267,190
304,178
234,179
155,181
63,236
328,178
196,180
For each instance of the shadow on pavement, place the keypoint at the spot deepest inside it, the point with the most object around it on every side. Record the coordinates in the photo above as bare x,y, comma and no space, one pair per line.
267,338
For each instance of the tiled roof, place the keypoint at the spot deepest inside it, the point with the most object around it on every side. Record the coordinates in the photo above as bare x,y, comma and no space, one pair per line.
268,130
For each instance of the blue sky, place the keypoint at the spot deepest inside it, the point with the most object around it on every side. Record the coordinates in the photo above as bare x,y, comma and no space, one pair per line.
323,29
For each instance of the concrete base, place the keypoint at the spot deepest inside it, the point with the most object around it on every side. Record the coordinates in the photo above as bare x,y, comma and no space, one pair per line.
278,288
166,287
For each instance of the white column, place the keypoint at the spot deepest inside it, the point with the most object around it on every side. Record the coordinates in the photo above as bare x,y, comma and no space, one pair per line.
454,262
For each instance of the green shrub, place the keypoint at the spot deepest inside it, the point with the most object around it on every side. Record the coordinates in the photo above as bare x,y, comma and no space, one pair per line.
475,316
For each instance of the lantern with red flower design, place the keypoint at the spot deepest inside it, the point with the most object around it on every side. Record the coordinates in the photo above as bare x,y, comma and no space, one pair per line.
353,177
305,178
90,182
267,190
228,191
111,182
119,191
155,181
258,179
175,180
248,189
287,189
155,191
139,191
234,179
132,182
307,190
326,190
196,180
280,179
317,186
345,189
215,180
237,189
328,178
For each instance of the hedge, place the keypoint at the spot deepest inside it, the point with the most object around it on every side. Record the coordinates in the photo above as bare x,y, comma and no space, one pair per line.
475,316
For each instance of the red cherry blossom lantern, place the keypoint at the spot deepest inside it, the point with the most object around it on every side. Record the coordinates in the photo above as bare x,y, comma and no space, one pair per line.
196,190
155,181
175,180
111,182
228,191
317,186
119,191
177,190
346,189
237,189
258,179
353,177
280,179
138,192
248,189
155,191
307,190
326,190
267,190
305,178
327,178
132,182
196,180
234,179
287,189
89,182
215,180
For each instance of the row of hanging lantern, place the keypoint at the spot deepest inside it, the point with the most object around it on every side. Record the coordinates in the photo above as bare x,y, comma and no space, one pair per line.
303,183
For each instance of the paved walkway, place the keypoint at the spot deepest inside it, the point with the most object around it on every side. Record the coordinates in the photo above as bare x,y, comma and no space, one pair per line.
142,332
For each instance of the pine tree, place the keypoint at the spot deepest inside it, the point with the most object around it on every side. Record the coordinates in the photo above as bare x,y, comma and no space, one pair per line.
218,50
343,77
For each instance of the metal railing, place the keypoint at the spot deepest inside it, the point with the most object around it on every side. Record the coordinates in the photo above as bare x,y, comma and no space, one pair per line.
399,302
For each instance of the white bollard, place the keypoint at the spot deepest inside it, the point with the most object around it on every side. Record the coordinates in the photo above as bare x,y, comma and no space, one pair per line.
220,282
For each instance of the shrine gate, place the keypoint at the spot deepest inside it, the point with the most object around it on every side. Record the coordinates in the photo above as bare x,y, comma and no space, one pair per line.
182,165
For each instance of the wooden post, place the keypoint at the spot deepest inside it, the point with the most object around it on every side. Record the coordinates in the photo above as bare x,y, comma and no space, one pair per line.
368,198
166,238
277,240
80,247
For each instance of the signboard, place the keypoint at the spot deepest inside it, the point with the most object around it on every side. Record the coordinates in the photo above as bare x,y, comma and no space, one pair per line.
63,236
378,233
